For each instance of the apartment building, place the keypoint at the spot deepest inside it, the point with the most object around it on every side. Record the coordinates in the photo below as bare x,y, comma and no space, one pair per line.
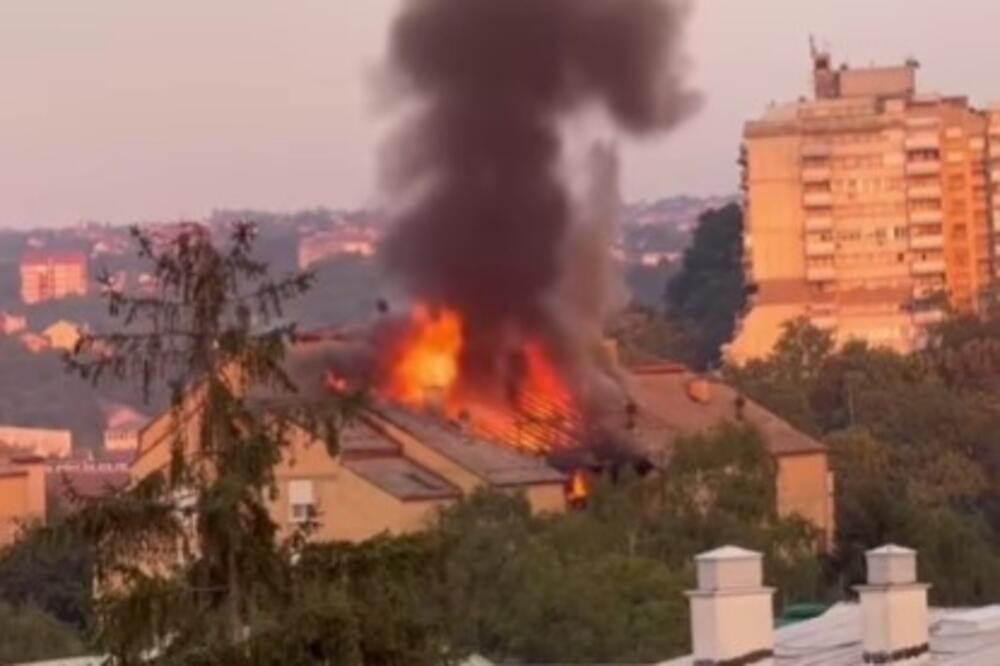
395,471
994,167
51,275
868,209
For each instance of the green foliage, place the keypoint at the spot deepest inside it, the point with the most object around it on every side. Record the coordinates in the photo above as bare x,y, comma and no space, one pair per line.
28,634
913,443
645,282
388,588
186,556
51,573
48,400
708,294
607,582
644,334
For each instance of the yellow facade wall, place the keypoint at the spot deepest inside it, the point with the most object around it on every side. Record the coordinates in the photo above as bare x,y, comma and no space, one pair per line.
775,214
805,488
350,507
760,330
22,499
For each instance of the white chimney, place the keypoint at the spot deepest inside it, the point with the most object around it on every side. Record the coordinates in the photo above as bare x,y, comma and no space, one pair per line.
732,620
894,609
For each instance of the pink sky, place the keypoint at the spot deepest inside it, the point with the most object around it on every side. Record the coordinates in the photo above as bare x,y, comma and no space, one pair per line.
123,110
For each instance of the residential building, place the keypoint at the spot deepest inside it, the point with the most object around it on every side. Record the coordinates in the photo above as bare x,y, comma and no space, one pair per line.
994,167
52,275
868,210
317,247
22,495
34,342
672,402
63,335
395,471
11,323
41,442
122,427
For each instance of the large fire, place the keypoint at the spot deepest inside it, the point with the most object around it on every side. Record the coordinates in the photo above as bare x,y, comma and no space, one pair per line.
426,373
427,366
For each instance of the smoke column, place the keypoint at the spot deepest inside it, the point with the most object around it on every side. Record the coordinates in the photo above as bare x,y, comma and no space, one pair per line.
486,217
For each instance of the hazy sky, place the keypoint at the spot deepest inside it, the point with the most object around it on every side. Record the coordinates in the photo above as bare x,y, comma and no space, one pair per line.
124,110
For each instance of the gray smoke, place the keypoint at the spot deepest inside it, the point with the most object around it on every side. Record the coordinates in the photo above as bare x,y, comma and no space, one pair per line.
486,224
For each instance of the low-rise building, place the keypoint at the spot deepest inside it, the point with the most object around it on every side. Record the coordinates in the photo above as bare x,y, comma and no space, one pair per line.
318,247
34,342
22,495
12,323
673,402
42,442
395,471
122,427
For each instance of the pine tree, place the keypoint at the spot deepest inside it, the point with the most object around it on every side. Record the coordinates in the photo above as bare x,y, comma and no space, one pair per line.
188,559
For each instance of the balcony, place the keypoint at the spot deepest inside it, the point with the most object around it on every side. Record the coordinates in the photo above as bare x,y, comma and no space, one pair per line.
821,273
818,248
927,317
817,199
923,168
816,150
819,223
927,242
995,176
928,267
995,147
924,192
923,141
926,216
815,174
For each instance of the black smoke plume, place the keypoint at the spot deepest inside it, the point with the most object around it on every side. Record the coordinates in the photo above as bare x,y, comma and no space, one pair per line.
484,215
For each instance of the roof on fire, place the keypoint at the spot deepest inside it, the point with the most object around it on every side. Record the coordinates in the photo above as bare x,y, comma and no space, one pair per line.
496,463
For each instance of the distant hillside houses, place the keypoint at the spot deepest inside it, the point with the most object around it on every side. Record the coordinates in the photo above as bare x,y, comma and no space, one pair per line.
52,275
320,246
42,442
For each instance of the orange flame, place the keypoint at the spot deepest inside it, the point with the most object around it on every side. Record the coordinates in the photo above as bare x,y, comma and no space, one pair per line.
544,379
579,489
429,363
426,372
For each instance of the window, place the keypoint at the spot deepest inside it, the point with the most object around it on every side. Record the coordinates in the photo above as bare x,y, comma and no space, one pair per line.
301,501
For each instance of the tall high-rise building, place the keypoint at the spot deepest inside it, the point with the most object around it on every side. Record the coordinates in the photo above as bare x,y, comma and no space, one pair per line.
868,209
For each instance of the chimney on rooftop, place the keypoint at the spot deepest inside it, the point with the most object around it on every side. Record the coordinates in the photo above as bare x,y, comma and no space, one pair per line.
699,390
732,618
894,609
